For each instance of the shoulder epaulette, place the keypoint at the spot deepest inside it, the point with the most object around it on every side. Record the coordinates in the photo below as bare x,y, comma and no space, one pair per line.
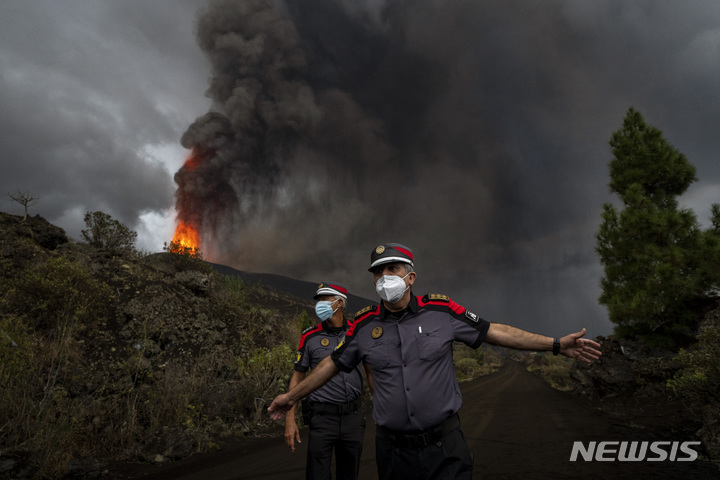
306,333
363,311
436,297
308,329
360,319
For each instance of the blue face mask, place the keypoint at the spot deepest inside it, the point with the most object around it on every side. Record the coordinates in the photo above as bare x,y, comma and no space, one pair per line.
324,310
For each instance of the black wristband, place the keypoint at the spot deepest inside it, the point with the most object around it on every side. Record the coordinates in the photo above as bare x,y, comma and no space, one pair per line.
556,346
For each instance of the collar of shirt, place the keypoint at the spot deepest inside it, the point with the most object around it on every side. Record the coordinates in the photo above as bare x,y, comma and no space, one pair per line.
335,330
411,307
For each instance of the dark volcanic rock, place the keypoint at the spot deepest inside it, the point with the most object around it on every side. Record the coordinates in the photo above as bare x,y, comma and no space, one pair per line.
624,367
39,230
46,234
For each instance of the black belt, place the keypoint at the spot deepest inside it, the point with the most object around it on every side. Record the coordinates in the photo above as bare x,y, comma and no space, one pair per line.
422,439
322,408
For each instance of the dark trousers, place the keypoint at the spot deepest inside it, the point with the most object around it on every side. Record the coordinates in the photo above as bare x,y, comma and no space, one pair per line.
448,458
344,434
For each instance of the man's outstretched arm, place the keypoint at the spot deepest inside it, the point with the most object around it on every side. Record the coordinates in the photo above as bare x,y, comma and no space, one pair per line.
573,345
320,375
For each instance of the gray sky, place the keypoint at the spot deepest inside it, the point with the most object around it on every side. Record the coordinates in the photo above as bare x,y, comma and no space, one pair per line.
476,133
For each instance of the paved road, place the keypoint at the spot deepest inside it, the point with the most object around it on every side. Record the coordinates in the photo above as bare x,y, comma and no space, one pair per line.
516,425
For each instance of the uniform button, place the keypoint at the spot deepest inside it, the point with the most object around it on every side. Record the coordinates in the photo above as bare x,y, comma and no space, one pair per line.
404,364
412,414
407,389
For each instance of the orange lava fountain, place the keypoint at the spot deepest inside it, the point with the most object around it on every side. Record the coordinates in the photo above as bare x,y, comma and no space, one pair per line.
186,236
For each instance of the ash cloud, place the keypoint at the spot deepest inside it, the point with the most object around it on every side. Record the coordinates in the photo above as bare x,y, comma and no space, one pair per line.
89,96
473,132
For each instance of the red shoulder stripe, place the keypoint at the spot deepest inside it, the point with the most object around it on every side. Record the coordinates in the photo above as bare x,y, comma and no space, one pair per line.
358,320
304,336
459,309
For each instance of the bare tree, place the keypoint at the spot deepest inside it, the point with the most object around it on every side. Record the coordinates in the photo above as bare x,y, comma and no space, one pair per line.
25,199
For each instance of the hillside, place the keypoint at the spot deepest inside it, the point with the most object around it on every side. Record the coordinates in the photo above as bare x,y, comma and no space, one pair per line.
296,288
138,357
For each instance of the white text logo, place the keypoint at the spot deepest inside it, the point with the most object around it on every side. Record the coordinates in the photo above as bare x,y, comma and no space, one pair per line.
625,451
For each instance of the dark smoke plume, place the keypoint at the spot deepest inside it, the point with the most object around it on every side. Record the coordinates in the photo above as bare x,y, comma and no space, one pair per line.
336,126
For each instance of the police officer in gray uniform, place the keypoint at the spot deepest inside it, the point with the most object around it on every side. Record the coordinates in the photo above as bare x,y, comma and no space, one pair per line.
407,340
335,416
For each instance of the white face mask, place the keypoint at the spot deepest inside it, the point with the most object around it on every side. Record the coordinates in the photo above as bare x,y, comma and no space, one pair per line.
391,288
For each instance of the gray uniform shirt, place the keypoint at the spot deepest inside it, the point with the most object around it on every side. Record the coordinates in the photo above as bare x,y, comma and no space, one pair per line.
411,359
316,343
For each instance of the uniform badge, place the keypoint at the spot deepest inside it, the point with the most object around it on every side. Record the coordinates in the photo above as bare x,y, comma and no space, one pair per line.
377,332
324,342
379,250
471,316
298,356
437,296
320,286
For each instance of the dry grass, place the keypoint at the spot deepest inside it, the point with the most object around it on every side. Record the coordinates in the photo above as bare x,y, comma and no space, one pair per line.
470,364
554,369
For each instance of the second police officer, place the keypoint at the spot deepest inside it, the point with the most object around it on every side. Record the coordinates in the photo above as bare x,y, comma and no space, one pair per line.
335,418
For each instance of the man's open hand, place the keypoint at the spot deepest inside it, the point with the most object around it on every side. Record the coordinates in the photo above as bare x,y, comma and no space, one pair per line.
574,346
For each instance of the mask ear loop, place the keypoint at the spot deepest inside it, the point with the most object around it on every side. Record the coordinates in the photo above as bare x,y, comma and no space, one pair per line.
336,300
407,287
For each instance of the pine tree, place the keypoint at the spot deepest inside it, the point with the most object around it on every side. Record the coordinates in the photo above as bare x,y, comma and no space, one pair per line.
709,253
649,249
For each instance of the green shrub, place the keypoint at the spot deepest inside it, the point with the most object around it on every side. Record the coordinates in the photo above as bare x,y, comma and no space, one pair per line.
107,233
15,370
306,321
470,364
467,369
265,373
699,377
37,412
57,295
15,338
555,370
233,291
480,355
